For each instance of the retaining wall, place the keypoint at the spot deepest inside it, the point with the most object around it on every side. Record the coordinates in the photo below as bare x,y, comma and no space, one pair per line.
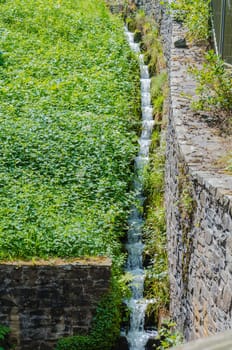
222,341
199,207
44,302
198,198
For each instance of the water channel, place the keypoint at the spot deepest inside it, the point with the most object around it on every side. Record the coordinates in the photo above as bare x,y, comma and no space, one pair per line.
137,336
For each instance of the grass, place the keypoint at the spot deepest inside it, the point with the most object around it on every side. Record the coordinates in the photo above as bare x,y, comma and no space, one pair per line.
68,112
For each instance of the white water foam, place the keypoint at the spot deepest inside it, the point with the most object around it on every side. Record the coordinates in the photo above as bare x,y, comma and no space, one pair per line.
137,337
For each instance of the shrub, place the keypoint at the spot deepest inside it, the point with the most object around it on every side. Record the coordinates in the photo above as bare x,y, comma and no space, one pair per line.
195,15
105,329
214,85
4,331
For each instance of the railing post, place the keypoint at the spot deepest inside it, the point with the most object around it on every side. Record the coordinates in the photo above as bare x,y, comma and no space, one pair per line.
222,27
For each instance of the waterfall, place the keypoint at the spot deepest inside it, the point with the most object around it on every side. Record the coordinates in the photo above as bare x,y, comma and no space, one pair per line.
137,337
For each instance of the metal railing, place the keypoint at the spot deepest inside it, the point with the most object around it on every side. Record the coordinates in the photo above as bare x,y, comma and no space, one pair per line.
222,28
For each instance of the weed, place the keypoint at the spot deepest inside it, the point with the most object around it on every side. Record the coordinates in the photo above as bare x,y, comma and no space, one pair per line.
168,336
195,15
214,85
4,331
106,325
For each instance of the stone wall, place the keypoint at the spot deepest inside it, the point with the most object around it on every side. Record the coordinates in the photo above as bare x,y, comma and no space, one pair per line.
44,302
198,198
222,341
199,207
151,8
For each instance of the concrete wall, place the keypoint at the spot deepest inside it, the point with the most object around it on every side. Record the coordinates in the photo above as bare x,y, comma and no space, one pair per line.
198,198
44,302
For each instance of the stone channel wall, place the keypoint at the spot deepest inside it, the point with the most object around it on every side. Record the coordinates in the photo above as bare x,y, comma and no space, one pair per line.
199,207
44,302
198,198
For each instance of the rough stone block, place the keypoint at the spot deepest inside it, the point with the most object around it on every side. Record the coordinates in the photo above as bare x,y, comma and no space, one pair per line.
41,303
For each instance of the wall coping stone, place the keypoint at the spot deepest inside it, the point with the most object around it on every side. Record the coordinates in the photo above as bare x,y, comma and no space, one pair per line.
82,262
220,341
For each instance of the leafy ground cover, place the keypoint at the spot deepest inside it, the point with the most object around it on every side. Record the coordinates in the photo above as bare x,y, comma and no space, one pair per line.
69,104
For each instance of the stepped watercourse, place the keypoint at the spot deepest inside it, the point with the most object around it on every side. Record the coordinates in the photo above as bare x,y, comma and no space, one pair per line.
137,336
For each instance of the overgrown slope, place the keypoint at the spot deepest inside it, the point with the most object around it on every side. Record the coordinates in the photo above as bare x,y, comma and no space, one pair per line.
68,113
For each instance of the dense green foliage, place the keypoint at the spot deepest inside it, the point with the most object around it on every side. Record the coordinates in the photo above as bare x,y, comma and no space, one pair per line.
4,331
68,114
195,15
106,326
214,86
168,336
157,281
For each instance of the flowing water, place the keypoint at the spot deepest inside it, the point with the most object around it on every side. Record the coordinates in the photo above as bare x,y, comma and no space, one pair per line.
137,337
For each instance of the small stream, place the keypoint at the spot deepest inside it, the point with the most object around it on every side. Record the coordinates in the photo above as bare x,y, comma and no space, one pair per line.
137,336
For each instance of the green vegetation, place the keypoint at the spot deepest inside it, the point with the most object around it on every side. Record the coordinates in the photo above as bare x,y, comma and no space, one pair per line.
155,254
158,95
146,31
195,16
106,325
187,209
69,111
229,165
168,337
157,281
4,331
214,79
69,116
214,85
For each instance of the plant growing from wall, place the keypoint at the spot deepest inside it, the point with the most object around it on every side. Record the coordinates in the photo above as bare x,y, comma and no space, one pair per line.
159,91
214,86
105,328
195,16
4,332
146,32
214,79
186,205
155,253
168,336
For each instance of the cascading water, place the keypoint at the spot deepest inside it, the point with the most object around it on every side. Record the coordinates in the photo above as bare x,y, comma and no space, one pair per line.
137,337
